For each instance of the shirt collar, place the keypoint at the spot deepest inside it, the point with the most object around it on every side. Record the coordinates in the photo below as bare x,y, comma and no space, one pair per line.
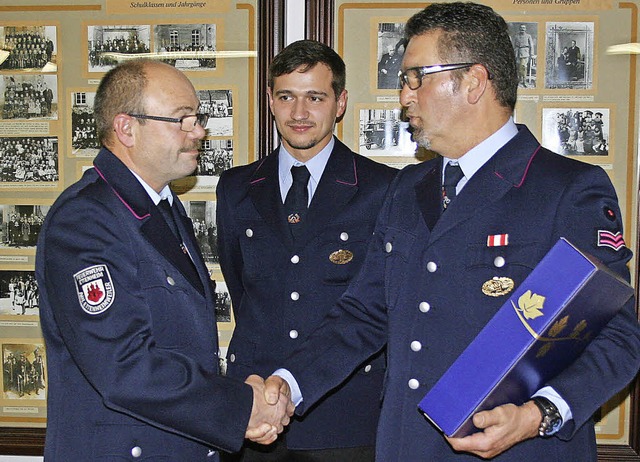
474,159
165,193
315,165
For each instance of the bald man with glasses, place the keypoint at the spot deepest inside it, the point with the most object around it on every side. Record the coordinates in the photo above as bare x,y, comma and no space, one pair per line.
126,304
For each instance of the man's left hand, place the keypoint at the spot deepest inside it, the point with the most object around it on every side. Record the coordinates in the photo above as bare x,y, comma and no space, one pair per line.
501,428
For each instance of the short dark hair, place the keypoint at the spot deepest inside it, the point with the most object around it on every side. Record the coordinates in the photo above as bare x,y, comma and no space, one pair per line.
472,33
121,90
308,53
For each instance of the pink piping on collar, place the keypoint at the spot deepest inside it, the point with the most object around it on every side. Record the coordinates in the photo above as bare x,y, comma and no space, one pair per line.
258,168
355,175
526,170
120,197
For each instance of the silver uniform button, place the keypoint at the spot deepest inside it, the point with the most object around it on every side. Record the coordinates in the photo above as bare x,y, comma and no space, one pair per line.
416,346
388,247
295,296
295,259
293,333
424,307
211,453
499,262
136,451
249,232
170,281
367,368
232,358
432,267
414,384
344,236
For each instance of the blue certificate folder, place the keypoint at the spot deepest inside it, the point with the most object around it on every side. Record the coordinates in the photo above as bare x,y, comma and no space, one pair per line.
544,326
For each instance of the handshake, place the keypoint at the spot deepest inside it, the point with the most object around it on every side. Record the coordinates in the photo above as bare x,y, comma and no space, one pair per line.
272,408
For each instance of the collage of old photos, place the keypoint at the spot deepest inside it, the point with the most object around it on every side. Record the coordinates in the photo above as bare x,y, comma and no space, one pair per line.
28,96
29,160
34,106
553,57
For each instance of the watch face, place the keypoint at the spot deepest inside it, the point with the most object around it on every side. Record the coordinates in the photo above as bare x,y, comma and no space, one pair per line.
551,418
555,422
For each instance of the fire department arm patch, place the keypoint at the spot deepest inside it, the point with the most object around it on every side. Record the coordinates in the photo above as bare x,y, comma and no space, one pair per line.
95,289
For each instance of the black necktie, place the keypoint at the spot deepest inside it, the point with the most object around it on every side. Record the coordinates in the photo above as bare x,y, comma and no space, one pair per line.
165,209
452,175
297,200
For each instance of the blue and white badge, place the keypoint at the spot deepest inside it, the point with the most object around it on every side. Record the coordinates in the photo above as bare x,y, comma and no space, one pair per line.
95,289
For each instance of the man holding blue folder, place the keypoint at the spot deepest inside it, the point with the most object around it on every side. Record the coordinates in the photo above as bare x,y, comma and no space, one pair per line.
454,237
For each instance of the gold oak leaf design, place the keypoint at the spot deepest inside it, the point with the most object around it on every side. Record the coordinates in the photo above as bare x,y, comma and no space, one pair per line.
544,349
558,326
531,305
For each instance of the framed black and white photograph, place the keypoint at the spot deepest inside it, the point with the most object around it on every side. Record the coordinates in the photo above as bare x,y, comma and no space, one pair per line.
383,132
106,42
524,37
223,302
84,136
569,57
215,157
29,97
188,47
390,51
577,131
20,225
24,371
29,160
28,48
219,105
19,293
203,216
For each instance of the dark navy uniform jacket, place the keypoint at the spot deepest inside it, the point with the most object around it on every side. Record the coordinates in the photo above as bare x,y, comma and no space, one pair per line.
419,291
281,290
130,332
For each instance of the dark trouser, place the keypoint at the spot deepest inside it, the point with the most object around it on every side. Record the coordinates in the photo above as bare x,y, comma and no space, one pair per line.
278,452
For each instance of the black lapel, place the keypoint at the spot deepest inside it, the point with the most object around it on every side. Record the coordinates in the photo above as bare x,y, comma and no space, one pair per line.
264,190
152,225
338,185
429,194
507,169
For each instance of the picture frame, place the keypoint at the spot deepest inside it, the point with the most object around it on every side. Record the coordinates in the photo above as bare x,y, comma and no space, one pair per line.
20,224
202,212
30,161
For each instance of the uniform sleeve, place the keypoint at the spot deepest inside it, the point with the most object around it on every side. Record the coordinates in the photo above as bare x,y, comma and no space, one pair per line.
136,338
354,330
589,217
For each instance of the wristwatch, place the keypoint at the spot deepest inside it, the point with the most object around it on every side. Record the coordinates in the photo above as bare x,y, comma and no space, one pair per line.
551,418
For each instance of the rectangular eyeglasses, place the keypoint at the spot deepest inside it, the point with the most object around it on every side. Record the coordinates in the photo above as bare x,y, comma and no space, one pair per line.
186,124
413,76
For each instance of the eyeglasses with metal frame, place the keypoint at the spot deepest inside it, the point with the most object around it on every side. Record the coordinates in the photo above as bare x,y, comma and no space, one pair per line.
185,123
413,76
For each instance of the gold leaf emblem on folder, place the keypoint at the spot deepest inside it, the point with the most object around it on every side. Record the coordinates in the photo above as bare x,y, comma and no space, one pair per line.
558,326
531,305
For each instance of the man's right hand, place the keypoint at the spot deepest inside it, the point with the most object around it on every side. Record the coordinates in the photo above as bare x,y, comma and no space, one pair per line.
271,411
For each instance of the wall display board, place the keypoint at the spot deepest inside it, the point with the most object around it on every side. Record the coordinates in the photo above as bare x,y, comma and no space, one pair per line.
52,57
577,98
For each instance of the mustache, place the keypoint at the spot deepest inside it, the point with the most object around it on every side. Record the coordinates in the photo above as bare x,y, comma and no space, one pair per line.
300,124
195,146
